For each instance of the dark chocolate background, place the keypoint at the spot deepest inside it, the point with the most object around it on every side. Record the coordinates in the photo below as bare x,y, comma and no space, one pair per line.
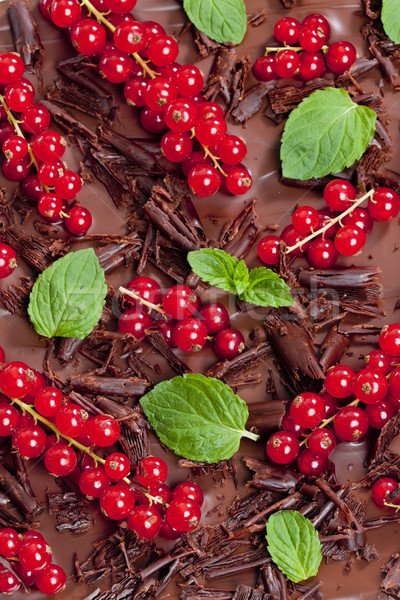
275,204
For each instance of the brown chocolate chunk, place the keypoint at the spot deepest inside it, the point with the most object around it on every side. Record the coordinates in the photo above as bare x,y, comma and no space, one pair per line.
71,511
26,37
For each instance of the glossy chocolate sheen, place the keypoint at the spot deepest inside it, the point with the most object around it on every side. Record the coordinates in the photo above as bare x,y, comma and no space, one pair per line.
275,205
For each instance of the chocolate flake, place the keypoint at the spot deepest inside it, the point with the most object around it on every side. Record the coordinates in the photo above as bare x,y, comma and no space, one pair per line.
233,372
37,252
27,504
251,103
71,511
89,383
158,342
26,37
16,297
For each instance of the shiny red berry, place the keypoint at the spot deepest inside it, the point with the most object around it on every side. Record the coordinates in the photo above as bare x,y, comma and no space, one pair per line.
307,410
383,489
340,57
8,260
117,501
204,180
103,430
349,240
287,63
384,204
145,521
311,465
311,38
322,254
9,419
30,441
9,542
65,13
287,30
162,50
380,361
151,470
228,343
130,37
321,442
51,580
181,115
176,147
339,381
312,65
16,379
135,321
117,466
49,146
370,386
60,460
121,7
351,423
12,68
48,401
318,22
34,555
380,413
183,515
339,195
283,447
361,218
190,335
88,37
389,339
8,582
180,302
264,68
93,481
289,425
78,220
268,249
187,490
215,317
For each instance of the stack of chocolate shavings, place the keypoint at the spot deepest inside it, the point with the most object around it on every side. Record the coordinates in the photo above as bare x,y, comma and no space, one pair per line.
70,508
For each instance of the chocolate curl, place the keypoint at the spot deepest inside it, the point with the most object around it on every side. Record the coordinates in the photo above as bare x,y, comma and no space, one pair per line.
16,297
123,387
265,417
283,100
388,433
251,103
26,37
115,185
68,349
233,371
374,37
133,151
205,45
26,503
238,235
270,477
70,124
221,76
295,354
21,473
158,342
333,347
36,251
372,8
362,67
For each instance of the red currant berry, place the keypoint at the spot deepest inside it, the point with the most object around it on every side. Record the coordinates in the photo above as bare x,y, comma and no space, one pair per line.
93,481
384,204
51,580
168,532
180,302
210,130
45,9
176,147
190,335
88,37
151,470
312,65
349,240
152,30
49,146
232,150
370,386
264,68
239,180
305,219
48,401
6,129
311,465
351,423
380,361
167,330
325,217
321,442
135,321
130,37
322,254
30,441
189,80
31,535
307,410
9,542
16,379
60,460
50,206
215,317
65,13
9,419
8,582
289,425
291,237
318,22
49,172
228,343
181,115
207,109
32,188
340,57
20,95
283,447
134,90
17,170
34,555
339,195
145,521
389,340
268,249
204,180
339,381
162,50
360,218
15,148
8,260
287,63
146,288
121,7
68,185
287,30
115,66
38,383
311,38
11,68
186,490
71,420
183,515
394,382
380,413
27,577
331,405
117,501
117,466
78,220
103,431
153,121
383,489
196,158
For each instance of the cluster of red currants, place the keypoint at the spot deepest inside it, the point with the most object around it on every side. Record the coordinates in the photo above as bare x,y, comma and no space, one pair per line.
183,329
310,231
31,561
169,94
311,58
72,426
376,386
44,150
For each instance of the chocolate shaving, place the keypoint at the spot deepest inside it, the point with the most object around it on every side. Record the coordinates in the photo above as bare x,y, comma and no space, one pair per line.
233,372
245,592
271,477
37,252
115,185
221,76
362,67
205,45
265,417
283,100
374,35
333,347
158,342
257,18
122,387
68,349
372,8
251,103
238,235
26,37
391,583
133,151
28,505
71,125
71,511
194,592
16,297
388,433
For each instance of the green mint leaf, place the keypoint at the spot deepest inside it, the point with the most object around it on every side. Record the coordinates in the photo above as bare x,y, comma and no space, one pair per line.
197,417
241,277
67,299
222,20
294,545
218,268
326,133
266,288
391,19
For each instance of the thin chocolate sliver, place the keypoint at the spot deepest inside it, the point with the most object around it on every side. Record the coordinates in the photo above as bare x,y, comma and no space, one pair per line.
26,37
87,383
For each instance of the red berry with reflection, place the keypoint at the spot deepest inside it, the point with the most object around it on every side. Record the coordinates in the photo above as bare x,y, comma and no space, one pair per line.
103,430
180,302
228,343
339,381
311,465
370,386
307,410
340,57
383,489
145,521
321,442
339,195
268,249
215,317
283,447
151,470
351,423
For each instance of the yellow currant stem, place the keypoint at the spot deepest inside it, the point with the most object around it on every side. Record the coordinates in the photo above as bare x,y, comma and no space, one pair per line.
214,159
11,119
269,49
97,459
101,18
389,504
156,307
330,222
327,421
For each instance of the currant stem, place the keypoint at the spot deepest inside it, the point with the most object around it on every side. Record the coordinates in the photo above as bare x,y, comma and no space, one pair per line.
330,222
150,305
101,18
72,442
327,421
269,49
390,505
214,159
251,436
11,119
